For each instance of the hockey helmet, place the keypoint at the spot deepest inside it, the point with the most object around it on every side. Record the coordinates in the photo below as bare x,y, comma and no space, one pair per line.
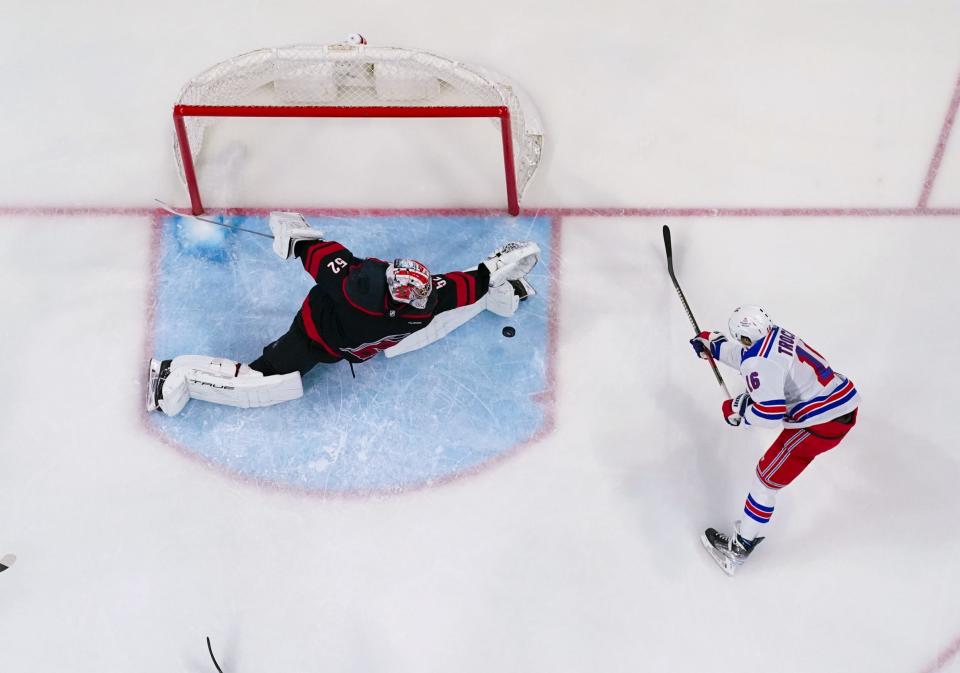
409,282
749,324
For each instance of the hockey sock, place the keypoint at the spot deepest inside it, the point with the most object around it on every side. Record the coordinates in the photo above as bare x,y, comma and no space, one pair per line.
757,510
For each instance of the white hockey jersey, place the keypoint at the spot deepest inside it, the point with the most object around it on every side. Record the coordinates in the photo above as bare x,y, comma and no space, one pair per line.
788,381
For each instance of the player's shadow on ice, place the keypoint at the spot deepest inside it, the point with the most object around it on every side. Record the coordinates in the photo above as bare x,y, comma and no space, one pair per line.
684,475
881,485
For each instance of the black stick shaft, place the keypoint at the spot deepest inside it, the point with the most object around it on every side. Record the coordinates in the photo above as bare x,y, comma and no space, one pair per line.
668,246
210,650
167,207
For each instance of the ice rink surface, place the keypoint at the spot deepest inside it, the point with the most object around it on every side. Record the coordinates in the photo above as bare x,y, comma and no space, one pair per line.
804,157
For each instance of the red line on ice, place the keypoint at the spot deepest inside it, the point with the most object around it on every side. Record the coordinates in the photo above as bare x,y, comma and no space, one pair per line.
700,211
941,147
945,657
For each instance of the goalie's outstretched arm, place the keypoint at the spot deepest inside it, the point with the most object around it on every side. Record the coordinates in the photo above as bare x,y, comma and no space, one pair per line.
460,288
497,284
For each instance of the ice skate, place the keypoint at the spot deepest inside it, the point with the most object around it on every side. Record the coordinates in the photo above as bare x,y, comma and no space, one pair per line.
728,551
156,374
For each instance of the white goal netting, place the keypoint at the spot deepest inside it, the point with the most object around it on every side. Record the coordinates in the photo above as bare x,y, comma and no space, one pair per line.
352,78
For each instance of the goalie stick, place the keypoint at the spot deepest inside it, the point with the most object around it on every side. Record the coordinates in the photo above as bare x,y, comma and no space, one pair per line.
668,245
7,561
167,207
210,650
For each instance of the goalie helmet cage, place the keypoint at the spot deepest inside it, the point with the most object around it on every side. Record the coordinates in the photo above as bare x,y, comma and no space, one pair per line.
348,80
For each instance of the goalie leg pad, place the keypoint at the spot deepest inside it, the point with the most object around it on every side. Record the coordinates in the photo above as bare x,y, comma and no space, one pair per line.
174,392
252,390
174,382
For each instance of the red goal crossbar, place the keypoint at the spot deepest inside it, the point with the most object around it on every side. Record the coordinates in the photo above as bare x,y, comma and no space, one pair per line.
189,171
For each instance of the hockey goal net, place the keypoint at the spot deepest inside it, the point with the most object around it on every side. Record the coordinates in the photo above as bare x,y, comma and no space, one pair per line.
351,80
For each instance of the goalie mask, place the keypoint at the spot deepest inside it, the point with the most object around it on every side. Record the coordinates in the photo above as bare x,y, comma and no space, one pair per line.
409,282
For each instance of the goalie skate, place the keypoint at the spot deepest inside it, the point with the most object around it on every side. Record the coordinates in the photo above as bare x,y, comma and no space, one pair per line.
157,372
729,552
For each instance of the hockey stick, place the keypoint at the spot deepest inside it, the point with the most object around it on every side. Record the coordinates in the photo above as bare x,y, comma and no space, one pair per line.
7,561
167,207
668,244
210,650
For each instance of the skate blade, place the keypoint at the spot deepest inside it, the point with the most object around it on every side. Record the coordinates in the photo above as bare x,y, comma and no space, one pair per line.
153,373
721,560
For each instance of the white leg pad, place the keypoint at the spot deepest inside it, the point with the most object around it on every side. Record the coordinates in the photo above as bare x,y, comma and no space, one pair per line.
224,381
251,390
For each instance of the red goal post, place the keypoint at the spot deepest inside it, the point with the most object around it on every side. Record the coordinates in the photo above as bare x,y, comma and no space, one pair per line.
348,80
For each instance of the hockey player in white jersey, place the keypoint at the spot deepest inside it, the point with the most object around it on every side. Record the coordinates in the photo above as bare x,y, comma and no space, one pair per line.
789,384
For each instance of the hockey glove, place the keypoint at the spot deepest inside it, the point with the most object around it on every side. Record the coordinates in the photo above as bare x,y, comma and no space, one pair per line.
733,410
708,342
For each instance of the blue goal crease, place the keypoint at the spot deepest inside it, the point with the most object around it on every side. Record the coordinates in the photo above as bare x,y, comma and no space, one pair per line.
404,422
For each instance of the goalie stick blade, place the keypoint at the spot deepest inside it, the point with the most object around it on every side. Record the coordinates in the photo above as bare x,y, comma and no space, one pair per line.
7,561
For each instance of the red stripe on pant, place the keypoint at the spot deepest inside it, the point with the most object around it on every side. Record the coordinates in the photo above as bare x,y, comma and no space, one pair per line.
795,449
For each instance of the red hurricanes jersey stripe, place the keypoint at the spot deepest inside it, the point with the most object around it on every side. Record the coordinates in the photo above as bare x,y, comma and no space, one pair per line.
461,288
310,252
472,286
316,254
312,329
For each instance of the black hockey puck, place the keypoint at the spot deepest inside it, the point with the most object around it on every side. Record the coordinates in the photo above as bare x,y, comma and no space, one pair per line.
508,331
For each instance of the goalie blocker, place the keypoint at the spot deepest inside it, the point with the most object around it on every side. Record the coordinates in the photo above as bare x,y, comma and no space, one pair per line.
357,308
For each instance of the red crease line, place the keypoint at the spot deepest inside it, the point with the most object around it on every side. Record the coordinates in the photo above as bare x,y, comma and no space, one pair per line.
935,162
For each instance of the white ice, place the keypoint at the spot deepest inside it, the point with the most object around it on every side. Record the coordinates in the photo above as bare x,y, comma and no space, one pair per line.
580,551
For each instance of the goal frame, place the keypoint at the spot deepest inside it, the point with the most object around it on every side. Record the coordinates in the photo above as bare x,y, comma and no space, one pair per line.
182,111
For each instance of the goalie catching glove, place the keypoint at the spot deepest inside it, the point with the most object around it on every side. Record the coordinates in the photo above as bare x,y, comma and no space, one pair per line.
513,261
288,230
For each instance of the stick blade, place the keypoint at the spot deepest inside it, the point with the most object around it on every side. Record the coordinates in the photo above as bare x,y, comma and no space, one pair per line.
667,241
7,561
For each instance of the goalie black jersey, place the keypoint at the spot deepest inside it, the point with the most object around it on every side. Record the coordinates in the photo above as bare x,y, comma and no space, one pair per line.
349,312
